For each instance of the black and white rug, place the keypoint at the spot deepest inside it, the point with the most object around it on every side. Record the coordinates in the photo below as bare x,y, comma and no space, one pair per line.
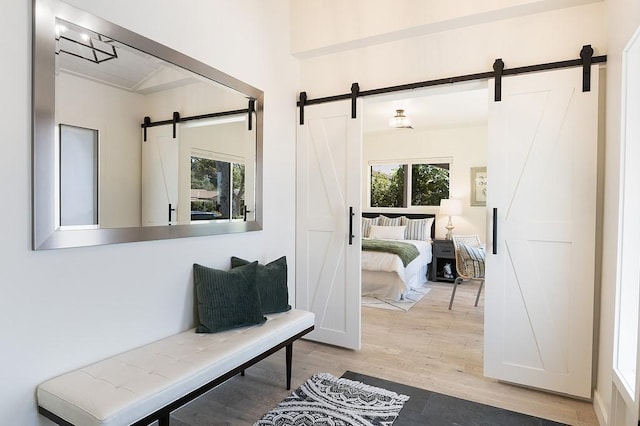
328,400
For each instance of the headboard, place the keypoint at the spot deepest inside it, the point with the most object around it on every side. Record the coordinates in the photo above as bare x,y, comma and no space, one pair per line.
408,216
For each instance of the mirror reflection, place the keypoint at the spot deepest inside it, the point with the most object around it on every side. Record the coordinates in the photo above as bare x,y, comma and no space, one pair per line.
135,141
148,173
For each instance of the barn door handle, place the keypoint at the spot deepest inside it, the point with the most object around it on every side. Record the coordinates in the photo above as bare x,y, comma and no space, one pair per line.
351,214
495,230
171,209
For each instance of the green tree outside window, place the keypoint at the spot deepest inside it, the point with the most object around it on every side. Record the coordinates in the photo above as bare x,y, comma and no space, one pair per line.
429,184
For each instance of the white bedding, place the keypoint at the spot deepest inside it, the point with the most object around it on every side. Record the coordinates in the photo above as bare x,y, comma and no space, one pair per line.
384,275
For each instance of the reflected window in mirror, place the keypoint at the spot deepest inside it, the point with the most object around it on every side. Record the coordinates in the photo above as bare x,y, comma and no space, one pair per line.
78,183
217,189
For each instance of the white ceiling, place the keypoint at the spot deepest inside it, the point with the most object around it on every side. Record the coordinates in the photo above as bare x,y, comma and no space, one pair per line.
130,69
443,106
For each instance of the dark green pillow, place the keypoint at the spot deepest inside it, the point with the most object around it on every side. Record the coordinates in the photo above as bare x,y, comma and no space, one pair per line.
227,299
272,284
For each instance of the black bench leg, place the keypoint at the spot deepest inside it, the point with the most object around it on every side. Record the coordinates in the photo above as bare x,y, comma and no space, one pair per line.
289,356
242,373
163,420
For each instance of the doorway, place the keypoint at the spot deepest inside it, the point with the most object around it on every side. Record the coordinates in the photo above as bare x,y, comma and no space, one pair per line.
447,125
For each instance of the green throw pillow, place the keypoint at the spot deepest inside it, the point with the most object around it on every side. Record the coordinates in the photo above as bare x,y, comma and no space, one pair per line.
272,284
227,300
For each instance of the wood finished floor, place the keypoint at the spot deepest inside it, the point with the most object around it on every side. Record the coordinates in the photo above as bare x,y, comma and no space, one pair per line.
428,347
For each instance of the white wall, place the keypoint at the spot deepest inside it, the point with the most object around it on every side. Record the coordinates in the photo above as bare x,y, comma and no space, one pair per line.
623,18
466,146
115,113
62,309
196,98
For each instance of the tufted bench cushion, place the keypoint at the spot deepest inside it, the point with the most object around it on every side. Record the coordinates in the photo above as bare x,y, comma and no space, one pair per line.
127,387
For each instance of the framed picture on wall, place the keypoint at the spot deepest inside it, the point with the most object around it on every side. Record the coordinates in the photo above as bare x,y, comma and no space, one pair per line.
478,186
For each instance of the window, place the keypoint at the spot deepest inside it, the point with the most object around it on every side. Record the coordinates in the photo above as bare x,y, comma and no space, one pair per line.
217,189
409,184
78,171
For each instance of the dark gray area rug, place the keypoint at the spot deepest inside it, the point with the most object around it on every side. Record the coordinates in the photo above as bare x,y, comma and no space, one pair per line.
430,408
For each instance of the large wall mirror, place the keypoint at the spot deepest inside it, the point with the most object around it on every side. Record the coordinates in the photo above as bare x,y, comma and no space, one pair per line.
135,141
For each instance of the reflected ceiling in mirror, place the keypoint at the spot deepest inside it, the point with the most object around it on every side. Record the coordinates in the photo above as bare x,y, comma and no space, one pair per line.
134,141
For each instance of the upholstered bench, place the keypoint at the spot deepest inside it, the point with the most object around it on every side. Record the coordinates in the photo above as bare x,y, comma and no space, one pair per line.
145,384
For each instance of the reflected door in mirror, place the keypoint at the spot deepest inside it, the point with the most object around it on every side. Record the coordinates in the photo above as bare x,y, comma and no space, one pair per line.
160,177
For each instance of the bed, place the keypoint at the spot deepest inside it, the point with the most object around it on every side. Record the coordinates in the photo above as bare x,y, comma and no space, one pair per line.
384,274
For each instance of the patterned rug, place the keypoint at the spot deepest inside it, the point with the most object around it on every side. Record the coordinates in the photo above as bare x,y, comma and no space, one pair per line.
406,303
327,400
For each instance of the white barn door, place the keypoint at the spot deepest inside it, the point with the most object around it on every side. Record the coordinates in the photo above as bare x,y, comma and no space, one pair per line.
542,178
159,177
328,179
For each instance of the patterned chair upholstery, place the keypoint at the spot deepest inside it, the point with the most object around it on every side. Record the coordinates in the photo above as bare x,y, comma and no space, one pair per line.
470,255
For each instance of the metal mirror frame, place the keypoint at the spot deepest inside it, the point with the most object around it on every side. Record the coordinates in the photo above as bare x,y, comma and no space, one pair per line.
45,233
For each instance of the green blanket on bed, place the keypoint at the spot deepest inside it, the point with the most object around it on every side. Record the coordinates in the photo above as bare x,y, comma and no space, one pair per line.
405,251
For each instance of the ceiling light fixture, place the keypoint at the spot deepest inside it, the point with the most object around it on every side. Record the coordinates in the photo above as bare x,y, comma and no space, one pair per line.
400,121
91,47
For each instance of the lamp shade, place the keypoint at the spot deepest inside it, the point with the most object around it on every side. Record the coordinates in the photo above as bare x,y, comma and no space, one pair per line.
450,207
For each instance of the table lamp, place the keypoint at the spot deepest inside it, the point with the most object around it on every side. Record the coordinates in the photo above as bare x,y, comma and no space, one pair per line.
450,207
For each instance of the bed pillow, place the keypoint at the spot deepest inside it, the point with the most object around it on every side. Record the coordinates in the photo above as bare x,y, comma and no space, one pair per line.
387,232
418,229
271,281
390,221
366,225
227,299
474,257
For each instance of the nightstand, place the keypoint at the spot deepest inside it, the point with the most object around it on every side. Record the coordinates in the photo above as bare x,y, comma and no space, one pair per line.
443,253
